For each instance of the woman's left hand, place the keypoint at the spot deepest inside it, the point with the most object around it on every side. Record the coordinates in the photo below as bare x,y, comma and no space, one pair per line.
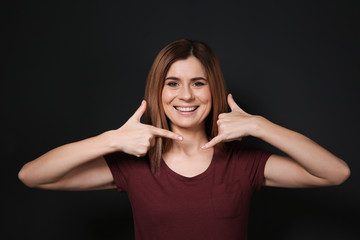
233,125
307,164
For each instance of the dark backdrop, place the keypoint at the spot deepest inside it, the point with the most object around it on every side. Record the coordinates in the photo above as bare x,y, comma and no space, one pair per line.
74,69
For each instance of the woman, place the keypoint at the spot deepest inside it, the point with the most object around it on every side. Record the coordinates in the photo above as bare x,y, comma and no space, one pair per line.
184,180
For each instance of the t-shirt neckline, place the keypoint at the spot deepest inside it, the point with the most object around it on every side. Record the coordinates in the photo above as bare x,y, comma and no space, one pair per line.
200,176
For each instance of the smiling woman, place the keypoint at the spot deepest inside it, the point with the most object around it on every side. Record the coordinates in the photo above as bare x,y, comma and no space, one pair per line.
186,95
183,177
182,64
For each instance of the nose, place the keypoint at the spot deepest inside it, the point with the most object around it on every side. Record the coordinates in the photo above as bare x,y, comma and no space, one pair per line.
186,93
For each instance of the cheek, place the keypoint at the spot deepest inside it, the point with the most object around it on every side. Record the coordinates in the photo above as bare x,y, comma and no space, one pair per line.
168,95
165,96
209,101
206,97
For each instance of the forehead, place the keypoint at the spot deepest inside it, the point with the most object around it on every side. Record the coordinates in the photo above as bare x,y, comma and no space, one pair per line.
187,68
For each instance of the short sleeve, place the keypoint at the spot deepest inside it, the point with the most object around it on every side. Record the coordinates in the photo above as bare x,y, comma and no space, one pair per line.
117,163
253,161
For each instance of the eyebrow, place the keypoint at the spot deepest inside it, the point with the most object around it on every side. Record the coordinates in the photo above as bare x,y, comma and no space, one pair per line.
192,79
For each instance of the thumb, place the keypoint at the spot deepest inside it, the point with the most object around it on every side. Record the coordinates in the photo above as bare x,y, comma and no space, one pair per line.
139,112
232,104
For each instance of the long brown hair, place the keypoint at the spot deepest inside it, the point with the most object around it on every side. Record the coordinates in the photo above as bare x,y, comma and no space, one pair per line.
155,115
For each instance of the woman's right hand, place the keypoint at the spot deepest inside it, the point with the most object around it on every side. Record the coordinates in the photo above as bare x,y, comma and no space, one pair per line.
81,166
136,138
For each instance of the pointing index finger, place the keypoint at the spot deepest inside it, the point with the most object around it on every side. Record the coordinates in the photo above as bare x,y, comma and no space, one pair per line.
212,142
165,133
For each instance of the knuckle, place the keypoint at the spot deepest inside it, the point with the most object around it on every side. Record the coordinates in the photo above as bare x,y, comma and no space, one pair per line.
142,151
146,145
148,128
148,137
148,133
224,115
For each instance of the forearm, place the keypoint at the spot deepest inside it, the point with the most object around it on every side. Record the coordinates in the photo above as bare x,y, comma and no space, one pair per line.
56,163
312,157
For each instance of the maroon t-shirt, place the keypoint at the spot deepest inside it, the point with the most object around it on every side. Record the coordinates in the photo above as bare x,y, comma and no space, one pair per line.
212,205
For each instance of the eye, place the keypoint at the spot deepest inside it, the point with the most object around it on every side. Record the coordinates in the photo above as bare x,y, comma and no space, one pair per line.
198,84
172,84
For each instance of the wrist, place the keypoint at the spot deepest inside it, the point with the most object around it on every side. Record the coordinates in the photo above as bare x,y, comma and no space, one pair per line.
259,126
108,139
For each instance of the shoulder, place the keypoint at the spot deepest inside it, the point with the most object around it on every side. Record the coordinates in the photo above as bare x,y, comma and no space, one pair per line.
240,153
126,161
240,149
125,167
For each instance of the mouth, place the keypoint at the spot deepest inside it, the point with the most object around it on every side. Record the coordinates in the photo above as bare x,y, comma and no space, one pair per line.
186,109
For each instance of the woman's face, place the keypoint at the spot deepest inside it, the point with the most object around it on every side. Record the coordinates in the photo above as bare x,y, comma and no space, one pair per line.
186,96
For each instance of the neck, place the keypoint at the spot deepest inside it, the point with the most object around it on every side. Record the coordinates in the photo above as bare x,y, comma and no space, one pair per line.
192,141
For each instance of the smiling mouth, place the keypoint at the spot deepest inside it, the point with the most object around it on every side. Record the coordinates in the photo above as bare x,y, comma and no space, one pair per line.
186,109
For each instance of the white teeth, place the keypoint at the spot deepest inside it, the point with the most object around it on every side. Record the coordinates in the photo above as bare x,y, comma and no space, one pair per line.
185,109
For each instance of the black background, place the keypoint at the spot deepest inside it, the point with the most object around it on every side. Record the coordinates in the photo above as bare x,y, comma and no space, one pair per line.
74,69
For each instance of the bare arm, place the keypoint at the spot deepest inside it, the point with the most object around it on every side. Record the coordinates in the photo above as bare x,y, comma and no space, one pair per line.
81,166
307,165
62,167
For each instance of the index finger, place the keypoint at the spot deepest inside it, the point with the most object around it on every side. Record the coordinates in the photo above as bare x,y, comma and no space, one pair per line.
212,142
165,133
